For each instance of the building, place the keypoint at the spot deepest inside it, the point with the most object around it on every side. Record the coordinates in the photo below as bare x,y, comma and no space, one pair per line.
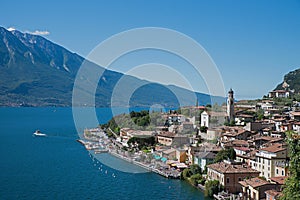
127,133
212,119
176,119
187,127
229,174
170,138
279,181
267,105
255,188
241,153
235,133
268,157
279,94
181,155
272,195
213,133
243,119
257,126
261,141
295,115
281,168
296,127
230,105
203,147
204,158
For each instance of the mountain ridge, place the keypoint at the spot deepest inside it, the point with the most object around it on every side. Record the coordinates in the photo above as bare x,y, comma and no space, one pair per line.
37,72
292,80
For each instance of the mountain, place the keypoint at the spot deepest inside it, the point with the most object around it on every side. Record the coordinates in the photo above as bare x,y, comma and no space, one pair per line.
37,72
292,79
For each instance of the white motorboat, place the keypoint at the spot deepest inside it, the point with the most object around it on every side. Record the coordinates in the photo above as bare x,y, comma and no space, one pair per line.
38,133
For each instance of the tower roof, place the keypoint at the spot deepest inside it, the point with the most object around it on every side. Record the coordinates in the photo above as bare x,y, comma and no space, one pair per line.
230,91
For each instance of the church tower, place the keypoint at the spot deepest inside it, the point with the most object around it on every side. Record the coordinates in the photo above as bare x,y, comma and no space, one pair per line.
230,105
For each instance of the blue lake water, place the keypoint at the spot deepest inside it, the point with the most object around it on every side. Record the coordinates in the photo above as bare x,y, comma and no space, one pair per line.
58,167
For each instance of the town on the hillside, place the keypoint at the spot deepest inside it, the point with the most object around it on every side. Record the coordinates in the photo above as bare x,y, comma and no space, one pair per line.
236,150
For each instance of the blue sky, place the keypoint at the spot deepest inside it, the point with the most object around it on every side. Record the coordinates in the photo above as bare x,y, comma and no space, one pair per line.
253,43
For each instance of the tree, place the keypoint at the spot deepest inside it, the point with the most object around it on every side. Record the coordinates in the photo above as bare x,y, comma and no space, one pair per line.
194,179
231,154
292,184
260,114
203,129
211,187
225,154
185,174
195,169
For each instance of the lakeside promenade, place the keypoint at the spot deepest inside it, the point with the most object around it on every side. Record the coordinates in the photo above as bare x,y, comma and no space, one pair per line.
100,143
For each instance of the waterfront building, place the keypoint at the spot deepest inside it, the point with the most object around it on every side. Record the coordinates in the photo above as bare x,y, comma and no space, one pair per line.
229,174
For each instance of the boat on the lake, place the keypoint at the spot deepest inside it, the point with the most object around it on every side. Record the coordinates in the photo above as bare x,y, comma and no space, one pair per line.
39,133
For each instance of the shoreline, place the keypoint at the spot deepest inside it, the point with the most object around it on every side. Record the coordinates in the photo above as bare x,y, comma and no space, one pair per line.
149,168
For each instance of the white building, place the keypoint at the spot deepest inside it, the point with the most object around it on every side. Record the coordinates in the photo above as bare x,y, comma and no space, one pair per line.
279,94
267,158
212,119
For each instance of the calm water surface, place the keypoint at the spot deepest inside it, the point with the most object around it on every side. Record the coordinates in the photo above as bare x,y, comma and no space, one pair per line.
57,167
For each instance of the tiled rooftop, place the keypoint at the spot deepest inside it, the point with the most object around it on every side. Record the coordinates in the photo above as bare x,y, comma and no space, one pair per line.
274,148
254,182
223,167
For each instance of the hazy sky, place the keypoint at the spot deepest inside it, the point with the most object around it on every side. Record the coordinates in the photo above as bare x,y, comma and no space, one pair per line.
253,43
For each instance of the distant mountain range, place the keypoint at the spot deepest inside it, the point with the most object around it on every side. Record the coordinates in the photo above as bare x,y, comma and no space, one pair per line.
37,72
292,79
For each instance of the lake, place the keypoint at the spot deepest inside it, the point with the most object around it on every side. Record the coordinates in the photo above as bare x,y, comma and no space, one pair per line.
58,167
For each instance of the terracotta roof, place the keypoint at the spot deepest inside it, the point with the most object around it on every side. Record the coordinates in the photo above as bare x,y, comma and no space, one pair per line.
279,119
268,138
254,182
279,179
273,193
244,115
279,91
236,143
296,123
274,148
235,132
166,134
242,148
223,167
295,113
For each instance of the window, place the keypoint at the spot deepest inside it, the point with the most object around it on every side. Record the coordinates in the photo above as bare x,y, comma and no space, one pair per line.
282,173
227,180
277,171
240,178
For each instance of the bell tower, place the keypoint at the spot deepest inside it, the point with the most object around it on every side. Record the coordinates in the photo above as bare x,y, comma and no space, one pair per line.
230,105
